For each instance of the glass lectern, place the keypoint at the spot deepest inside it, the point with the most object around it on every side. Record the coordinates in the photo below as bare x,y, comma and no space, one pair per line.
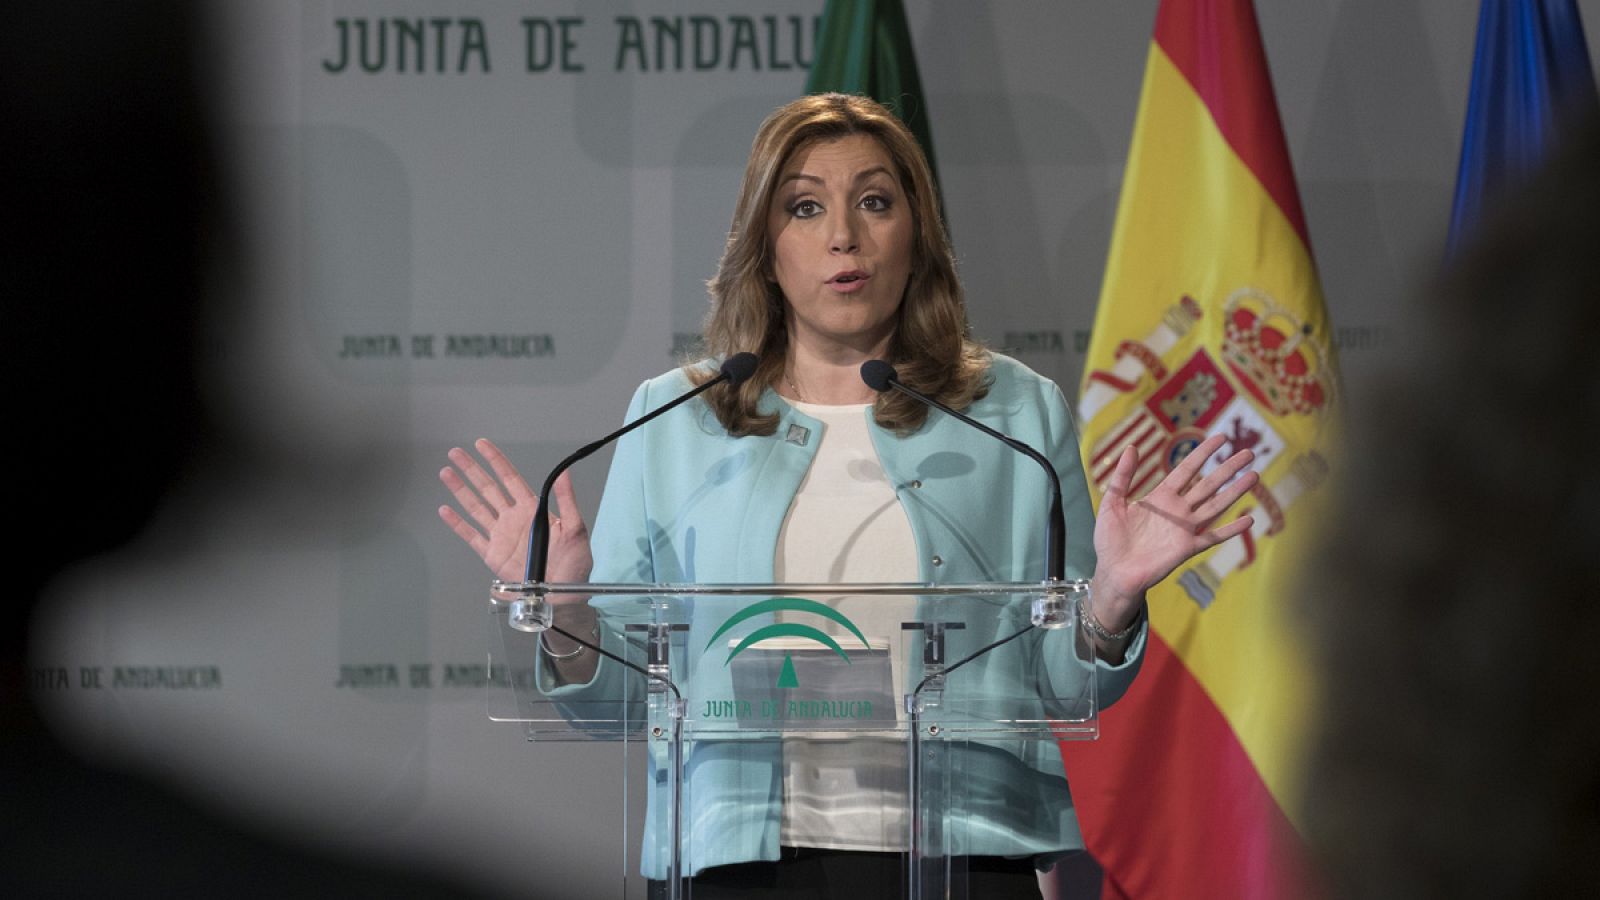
918,719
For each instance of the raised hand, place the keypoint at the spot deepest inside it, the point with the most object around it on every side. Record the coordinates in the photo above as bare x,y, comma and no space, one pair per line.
1140,542
501,507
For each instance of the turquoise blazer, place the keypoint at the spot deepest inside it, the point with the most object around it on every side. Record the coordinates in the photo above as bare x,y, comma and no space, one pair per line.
687,503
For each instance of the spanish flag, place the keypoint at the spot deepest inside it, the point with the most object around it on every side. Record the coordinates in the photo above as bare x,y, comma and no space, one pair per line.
1210,321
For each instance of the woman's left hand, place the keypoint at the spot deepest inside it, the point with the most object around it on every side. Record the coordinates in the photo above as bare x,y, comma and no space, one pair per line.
1140,542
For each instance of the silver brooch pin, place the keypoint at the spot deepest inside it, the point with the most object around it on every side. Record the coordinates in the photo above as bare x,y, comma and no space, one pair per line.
798,435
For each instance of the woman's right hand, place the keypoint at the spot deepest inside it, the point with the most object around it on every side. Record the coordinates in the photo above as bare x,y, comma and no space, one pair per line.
501,507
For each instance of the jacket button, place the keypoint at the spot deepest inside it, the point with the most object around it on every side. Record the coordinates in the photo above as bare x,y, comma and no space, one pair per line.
917,483
938,560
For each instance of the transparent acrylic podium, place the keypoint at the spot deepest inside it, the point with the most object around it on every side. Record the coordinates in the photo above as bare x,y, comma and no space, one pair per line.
920,719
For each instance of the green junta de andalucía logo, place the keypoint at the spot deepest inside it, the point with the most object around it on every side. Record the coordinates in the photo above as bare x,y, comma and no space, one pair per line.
787,677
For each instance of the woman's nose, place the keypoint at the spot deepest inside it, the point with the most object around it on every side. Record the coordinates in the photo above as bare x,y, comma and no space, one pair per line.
844,237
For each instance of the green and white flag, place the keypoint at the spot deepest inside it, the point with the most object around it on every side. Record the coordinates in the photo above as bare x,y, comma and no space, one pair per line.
865,48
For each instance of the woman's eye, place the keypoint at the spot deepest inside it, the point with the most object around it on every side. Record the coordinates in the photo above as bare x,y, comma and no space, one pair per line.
874,203
805,209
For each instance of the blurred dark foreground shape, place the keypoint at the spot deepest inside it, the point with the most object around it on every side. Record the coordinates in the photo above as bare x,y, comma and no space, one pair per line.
1456,610
115,250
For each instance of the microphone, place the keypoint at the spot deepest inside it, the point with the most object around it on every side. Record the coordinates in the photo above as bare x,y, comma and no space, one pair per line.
880,376
735,371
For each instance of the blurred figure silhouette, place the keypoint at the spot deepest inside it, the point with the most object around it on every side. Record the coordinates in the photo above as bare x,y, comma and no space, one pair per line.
1456,611
113,243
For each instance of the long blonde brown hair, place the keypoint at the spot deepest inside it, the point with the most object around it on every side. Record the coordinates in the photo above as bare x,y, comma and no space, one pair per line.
931,348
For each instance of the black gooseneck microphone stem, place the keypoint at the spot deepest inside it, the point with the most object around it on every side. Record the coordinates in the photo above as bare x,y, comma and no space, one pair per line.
972,656
1055,558
539,538
649,676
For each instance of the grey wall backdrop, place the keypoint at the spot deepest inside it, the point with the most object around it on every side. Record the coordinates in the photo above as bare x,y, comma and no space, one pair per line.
495,218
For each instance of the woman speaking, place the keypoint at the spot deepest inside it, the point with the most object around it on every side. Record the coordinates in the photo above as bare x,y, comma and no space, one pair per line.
837,255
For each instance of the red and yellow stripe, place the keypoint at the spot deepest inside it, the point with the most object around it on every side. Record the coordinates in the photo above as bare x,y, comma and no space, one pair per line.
1190,791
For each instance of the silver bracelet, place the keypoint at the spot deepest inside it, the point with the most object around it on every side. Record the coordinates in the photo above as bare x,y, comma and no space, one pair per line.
551,654
1099,631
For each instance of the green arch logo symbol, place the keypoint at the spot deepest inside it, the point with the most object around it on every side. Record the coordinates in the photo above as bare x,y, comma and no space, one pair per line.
787,629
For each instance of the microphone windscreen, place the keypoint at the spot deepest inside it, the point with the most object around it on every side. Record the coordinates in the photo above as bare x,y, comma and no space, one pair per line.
878,374
739,367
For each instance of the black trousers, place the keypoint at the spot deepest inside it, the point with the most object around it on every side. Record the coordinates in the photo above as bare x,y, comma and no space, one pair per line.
809,873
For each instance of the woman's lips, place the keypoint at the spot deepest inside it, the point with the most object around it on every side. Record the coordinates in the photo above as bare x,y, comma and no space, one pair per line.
848,282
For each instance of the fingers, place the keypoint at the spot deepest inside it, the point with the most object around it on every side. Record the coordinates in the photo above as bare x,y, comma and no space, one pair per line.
1184,472
499,507
485,483
1202,489
567,502
466,532
507,473
1228,532
480,512
1215,505
1122,476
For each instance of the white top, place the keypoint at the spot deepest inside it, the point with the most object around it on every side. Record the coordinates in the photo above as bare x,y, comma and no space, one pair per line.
846,525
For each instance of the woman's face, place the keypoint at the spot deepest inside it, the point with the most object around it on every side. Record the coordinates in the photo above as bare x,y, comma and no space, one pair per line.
841,231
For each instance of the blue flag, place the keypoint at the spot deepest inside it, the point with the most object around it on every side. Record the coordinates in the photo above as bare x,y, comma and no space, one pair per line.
1531,82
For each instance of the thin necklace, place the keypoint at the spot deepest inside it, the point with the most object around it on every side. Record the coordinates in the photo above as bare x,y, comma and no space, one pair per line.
795,386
